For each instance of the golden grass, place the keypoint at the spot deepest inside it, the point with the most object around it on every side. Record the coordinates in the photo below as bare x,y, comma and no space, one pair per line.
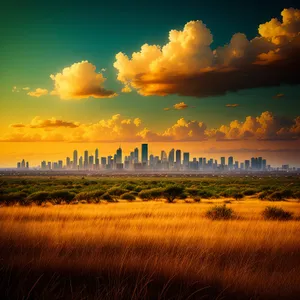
247,257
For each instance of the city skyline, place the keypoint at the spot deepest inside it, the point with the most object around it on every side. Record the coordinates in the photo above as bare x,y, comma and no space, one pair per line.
197,78
174,160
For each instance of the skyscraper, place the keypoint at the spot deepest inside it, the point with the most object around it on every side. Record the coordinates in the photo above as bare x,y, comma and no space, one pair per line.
171,157
223,161
163,156
186,159
119,156
96,154
145,154
230,162
80,162
136,155
178,158
86,159
75,159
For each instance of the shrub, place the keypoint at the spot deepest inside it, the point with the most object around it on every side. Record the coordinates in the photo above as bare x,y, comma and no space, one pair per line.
14,197
62,195
172,192
276,213
219,212
183,196
205,194
107,197
116,191
237,196
127,196
193,192
263,195
151,194
38,197
276,196
249,192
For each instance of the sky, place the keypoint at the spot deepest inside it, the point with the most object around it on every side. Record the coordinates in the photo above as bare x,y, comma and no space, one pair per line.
213,78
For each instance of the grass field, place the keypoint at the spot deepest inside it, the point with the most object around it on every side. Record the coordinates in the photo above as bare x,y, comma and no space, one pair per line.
148,250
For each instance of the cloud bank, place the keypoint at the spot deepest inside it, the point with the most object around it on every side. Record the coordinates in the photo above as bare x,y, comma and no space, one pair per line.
119,129
188,66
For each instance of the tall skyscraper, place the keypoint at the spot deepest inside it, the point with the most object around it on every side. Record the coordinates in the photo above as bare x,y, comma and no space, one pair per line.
75,159
96,153
23,164
80,162
223,161
145,153
163,156
171,157
119,156
68,162
86,159
186,159
178,158
230,162
136,155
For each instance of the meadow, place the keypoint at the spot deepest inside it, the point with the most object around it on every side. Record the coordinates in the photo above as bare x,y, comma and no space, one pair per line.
151,246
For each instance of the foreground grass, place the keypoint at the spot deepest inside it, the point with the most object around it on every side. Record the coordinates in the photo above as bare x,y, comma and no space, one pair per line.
147,250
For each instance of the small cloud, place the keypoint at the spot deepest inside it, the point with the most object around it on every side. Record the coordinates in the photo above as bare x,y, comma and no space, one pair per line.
103,70
15,89
167,108
126,89
26,88
17,125
232,105
180,106
38,92
279,96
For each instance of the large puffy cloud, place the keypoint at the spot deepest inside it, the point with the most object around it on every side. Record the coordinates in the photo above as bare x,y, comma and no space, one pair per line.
38,92
188,66
79,81
119,129
264,127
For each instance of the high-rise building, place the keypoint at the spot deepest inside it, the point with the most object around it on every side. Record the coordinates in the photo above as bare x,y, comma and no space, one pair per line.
80,162
223,163
103,162
75,159
60,164
163,156
119,156
171,157
230,162
23,164
178,158
91,161
68,162
145,154
186,159
136,155
86,159
200,162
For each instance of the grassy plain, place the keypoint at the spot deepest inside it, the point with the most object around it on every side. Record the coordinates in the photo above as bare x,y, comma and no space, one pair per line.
149,250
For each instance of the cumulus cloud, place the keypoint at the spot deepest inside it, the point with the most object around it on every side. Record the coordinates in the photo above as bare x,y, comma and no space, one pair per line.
26,88
266,126
38,92
232,105
180,106
79,81
187,65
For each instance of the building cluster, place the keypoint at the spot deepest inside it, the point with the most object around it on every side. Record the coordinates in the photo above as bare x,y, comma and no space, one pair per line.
139,159
23,164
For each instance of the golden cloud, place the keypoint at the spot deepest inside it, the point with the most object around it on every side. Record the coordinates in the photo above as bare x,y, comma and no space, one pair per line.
79,81
38,92
180,106
187,65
